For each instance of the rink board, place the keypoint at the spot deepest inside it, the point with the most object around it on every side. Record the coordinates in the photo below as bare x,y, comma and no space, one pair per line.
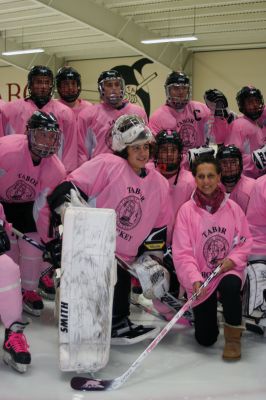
88,276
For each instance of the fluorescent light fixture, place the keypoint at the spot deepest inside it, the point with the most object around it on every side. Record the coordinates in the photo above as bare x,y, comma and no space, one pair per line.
171,39
17,52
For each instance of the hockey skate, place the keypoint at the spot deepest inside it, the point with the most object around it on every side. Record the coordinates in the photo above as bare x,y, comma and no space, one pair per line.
126,333
32,302
16,348
46,287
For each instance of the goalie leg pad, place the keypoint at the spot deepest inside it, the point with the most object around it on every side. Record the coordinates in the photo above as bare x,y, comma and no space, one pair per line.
88,276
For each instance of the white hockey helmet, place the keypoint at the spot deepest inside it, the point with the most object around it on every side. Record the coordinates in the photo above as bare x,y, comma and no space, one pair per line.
130,130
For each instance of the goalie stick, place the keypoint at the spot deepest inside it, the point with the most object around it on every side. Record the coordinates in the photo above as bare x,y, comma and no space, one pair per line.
91,384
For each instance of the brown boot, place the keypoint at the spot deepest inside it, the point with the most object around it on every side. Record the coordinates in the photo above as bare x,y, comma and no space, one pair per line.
232,347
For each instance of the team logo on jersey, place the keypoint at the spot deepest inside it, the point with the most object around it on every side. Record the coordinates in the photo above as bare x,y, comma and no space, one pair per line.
216,248
20,191
188,135
128,212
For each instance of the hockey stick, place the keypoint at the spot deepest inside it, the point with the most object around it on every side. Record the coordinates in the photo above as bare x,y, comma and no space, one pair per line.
39,246
90,384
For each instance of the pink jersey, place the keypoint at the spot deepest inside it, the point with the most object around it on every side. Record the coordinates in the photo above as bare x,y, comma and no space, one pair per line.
78,107
16,114
141,204
242,191
180,192
95,125
22,182
256,215
194,123
248,136
201,238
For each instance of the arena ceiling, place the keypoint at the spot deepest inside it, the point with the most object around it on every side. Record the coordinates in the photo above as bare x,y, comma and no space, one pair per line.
91,29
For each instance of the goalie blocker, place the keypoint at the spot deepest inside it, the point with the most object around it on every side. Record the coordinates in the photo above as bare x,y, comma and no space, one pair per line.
88,276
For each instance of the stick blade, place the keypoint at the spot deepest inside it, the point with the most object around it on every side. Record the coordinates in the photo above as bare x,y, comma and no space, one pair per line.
90,384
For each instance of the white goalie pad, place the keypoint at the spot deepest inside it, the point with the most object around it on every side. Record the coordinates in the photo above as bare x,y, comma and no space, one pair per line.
254,300
88,276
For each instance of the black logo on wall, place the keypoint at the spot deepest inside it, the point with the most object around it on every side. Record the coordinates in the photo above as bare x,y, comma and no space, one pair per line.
135,83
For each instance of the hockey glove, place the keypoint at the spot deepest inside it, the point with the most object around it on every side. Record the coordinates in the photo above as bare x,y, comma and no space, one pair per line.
194,154
4,241
153,277
259,158
52,253
217,102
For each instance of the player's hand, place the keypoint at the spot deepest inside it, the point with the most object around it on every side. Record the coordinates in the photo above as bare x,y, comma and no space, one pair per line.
196,286
227,264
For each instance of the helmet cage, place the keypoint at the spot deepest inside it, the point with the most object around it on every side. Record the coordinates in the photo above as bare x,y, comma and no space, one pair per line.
177,102
245,93
44,150
40,70
166,157
130,130
231,171
112,99
68,74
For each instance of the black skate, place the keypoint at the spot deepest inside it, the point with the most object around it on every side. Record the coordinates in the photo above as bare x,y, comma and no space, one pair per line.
46,287
125,332
16,348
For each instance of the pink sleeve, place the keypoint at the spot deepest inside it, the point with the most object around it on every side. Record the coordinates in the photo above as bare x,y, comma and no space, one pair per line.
70,147
256,215
242,240
91,177
183,255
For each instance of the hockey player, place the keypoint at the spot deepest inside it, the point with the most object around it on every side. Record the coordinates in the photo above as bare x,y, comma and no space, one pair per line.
237,186
139,195
246,132
211,229
68,85
95,123
15,114
192,119
16,349
30,170
167,159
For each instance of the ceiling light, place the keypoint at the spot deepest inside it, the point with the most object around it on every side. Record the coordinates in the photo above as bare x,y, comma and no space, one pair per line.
17,52
170,39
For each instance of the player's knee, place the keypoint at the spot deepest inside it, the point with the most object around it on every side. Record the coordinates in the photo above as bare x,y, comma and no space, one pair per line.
207,339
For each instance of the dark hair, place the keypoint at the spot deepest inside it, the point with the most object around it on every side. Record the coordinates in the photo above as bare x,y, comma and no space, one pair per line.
208,160
124,153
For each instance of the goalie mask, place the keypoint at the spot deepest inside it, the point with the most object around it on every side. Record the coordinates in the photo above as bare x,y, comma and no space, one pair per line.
130,130
40,85
168,152
68,84
250,102
44,134
177,90
230,159
111,87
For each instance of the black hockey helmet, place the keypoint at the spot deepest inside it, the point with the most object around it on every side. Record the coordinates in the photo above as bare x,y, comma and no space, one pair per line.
230,174
65,74
43,125
245,93
176,78
111,74
164,157
40,99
